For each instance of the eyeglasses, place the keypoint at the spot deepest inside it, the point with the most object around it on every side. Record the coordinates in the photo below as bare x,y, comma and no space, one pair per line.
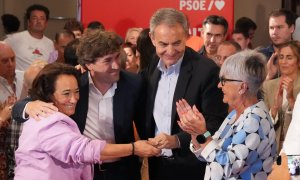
223,80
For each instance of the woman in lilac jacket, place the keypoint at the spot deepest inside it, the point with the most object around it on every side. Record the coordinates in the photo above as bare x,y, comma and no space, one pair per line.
54,148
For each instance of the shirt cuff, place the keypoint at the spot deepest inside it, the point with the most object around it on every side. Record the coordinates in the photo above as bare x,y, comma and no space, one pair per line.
274,120
24,114
211,146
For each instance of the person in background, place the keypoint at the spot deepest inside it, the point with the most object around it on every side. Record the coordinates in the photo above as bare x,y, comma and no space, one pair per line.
248,26
176,72
214,31
54,148
244,147
132,34
62,38
281,28
131,63
10,24
74,26
95,25
280,93
226,49
32,44
242,38
144,49
70,55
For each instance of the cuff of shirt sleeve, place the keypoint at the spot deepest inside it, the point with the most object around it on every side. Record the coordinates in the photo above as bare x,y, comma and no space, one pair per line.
211,146
24,114
274,120
196,152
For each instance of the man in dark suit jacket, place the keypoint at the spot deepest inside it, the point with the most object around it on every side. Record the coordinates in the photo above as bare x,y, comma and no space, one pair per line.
104,86
188,75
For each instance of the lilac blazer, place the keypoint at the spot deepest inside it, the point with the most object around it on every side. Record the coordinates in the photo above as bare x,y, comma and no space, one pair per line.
54,148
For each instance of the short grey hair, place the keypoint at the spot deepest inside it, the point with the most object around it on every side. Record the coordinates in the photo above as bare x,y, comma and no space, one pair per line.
170,17
248,66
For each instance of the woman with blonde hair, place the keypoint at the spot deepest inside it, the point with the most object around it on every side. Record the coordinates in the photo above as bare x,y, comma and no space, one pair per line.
280,93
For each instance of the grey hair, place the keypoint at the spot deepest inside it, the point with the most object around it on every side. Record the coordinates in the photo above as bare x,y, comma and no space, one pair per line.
248,66
170,17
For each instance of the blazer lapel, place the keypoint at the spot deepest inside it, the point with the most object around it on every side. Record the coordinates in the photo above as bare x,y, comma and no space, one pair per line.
182,84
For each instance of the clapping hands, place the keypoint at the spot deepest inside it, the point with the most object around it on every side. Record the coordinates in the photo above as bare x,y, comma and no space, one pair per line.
191,120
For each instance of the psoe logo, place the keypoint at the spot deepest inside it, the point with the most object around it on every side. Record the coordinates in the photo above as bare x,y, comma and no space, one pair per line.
201,5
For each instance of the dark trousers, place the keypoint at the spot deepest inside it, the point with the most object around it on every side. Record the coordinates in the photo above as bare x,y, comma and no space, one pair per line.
161,168
120,170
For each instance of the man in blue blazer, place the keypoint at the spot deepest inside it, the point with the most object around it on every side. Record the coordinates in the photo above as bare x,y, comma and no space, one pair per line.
177,72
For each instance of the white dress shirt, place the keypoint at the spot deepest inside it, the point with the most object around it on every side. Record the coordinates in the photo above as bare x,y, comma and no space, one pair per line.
99,122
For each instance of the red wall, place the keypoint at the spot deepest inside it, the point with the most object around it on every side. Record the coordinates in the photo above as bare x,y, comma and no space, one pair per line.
119,15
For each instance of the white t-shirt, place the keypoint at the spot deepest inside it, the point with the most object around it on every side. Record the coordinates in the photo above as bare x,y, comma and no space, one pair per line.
28,48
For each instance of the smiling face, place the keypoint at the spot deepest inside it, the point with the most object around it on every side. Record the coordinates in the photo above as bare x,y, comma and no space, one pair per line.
169,42
213,35
231,92
106,69
288,62
131,61
66,94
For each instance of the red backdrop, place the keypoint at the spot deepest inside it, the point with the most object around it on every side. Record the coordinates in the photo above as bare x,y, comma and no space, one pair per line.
119,15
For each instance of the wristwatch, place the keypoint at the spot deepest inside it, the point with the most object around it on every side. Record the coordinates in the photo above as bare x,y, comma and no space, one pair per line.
203,137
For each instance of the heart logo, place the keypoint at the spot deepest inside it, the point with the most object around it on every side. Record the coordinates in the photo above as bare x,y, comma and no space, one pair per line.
219,4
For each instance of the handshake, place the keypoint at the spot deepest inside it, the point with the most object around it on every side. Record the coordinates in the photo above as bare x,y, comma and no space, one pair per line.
153,146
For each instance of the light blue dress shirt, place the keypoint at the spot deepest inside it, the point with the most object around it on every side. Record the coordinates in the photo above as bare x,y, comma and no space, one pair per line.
162,111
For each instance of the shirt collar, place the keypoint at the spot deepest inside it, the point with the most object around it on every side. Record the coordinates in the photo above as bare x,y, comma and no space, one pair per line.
109,93
172,69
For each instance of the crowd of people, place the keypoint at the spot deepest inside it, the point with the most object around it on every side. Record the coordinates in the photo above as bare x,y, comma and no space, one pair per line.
92,105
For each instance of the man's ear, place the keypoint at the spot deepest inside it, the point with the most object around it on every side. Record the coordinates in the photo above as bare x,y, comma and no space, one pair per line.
152,38
89,67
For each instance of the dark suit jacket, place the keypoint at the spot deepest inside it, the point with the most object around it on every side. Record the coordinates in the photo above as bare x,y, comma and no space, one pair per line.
197,83
125,102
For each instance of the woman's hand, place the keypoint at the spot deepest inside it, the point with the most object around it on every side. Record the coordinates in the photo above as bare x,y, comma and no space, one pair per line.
287,83
278,101
191,120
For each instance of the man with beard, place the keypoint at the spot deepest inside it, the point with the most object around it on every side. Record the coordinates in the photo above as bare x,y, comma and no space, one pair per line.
281,28
32,44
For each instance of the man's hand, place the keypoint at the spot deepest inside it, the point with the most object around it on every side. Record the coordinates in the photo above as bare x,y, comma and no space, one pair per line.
164,141
37,109
272,67
143,149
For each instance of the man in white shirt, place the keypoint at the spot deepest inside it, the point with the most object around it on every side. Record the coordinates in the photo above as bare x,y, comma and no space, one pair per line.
32,44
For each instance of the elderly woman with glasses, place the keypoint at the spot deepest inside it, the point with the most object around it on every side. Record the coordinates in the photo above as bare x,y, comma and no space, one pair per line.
244,146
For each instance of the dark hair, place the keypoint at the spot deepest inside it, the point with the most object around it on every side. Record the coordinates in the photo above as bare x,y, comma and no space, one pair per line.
245,24
145,47
70,53
97,44
96,25
240,31
64,32
73,25
10,23
290,17
37,7
131,46
43,85
216,20
232,43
